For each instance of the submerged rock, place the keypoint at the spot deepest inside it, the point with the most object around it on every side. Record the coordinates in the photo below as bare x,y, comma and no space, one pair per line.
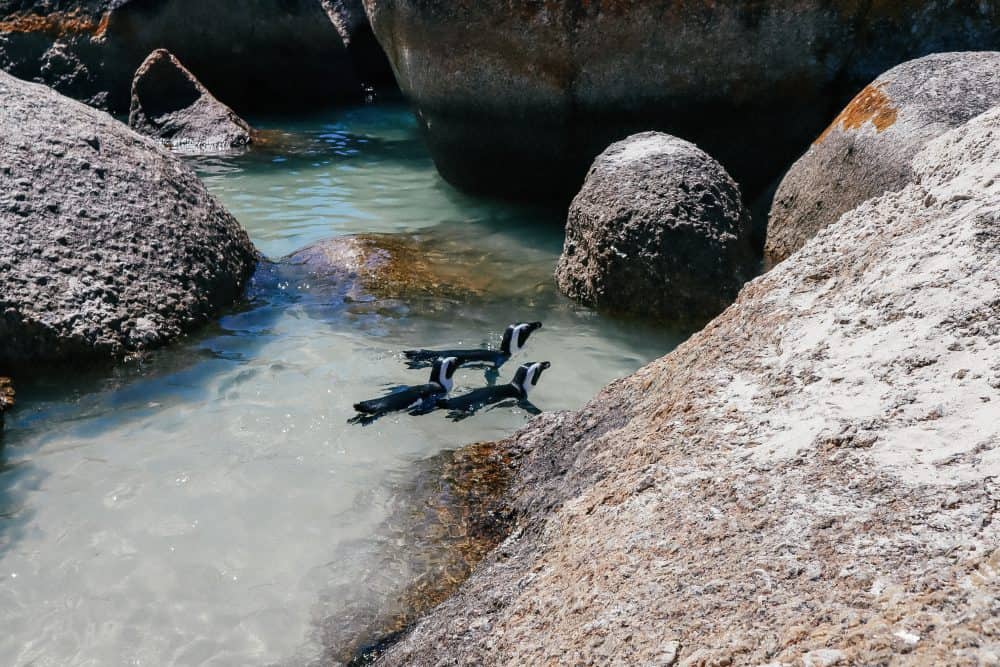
110,244
658,229
445,516
869,147
518,97
252,54
828,445
394,266
169,103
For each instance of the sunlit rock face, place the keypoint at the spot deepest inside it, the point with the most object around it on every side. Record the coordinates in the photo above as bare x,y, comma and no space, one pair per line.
658,230
869,147
111,244
517,97
254,55
830,444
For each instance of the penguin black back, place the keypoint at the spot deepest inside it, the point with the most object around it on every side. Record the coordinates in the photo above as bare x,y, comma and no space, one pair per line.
525,379
418,397
515,337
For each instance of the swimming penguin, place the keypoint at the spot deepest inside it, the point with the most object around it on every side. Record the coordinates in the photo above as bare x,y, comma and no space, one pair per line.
419,398
513,342
525,379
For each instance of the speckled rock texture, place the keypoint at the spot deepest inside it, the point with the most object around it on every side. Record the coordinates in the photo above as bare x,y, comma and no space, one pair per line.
110,244
812,479
518,96
6,399
170,104
868,149
658,229
254,55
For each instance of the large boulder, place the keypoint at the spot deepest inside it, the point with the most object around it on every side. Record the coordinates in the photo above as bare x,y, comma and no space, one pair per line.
169,103
812,479
253,54
110,243
658,229
517,97
869,148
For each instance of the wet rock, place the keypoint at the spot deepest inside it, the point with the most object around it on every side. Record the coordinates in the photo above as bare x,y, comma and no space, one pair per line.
429,266
659,230
444,518
169,103
518,97
253,54
869,147
111,244
6,398
679,498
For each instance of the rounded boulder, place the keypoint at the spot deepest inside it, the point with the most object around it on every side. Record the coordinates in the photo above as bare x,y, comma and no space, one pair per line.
111,245
868,149
659,230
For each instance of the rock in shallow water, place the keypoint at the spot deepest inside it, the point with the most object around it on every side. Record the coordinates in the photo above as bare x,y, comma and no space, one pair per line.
169,103
869,147
659,230
781,486
518,96
394,266
110,244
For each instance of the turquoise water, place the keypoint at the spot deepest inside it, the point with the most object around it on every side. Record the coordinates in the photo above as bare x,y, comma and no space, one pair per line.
210,504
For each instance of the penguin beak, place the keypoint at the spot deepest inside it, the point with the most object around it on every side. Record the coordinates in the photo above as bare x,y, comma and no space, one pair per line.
535,326
546,365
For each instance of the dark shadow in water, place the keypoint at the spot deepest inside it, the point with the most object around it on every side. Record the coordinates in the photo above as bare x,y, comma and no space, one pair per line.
527,406
17,478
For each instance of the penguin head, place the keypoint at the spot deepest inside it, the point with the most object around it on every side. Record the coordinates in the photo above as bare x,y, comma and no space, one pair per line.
528,374
443,371
516,337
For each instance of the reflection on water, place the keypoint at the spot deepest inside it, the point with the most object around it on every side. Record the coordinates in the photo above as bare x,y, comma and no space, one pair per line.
210,504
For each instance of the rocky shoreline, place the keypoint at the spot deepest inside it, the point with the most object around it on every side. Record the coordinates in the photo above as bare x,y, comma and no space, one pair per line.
811,479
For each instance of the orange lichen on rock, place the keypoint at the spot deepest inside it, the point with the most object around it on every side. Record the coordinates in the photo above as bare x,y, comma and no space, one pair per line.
873,105
57,24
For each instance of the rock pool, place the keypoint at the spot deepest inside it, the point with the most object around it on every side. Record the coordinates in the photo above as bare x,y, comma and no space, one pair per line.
209,503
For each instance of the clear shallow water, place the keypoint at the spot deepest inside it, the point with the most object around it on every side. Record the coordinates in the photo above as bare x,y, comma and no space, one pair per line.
211,505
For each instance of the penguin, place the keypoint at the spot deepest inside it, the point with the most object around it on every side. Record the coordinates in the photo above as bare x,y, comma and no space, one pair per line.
525,379
419,398
513,342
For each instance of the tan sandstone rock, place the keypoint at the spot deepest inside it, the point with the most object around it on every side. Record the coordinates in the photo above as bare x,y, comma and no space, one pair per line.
868,148
811,479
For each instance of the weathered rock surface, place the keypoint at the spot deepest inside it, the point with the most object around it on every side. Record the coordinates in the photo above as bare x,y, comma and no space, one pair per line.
517,97
6,398
170,104
658,229
812,478
110,244
393,266
869,147
252,54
